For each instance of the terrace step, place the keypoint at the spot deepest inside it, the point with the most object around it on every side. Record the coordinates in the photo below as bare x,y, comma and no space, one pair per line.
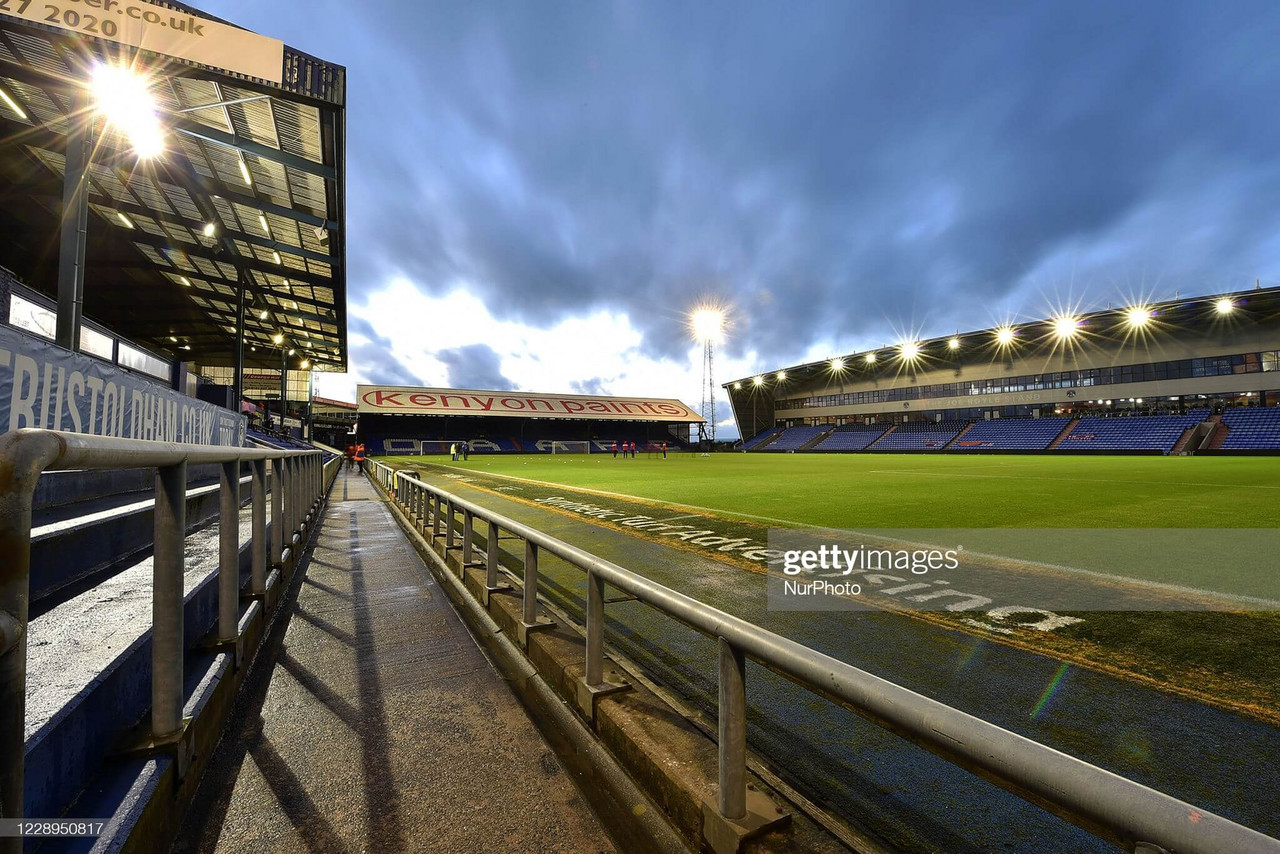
882,435
1066,431
1217,436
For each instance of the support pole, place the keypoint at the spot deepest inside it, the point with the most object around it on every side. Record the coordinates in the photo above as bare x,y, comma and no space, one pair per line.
733,732
595,630
278,523
75,229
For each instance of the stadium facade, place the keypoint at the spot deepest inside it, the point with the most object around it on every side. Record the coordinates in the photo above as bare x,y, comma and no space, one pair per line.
411,420
1197,355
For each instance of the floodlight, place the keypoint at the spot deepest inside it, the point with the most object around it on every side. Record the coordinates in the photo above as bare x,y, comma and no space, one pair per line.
758,380
277,338
174,340
244,171
953,344
262,315
1065,326
1004,336
1224,305
707,324
782,375
209,229
292,351
1137,316
306,363
737,386
128,223
909,350
124,98
870,358
186,283
837,365
262,220
276,257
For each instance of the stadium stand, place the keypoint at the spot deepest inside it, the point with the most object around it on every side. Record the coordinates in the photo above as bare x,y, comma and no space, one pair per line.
919,436
851,437
794,438
760,438
1255,428
1131,433
1013,434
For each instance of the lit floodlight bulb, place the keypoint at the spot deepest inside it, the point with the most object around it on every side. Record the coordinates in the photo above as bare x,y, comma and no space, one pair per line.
758,380
262,315
292,351
953,344
1224,306
1004,336
306,363
870,358
1137,316
1065,326
837,365
209,229
737,386
277,338
909,350
782,376
707,324
124,98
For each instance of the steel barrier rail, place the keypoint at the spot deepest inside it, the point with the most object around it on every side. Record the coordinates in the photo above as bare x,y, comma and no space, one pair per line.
1121,811
25,454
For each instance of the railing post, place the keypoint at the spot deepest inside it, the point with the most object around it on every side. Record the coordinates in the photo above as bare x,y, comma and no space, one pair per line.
733,732
530,583
229,552
467,531
258,515
595,629
166,601
277,511
491,559
435,517
448,526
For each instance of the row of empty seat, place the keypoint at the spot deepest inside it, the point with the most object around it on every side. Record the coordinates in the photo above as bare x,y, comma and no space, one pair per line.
1256,428
1252,429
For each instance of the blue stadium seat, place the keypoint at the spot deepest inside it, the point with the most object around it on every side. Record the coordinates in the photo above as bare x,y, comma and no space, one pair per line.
1254,428
852,437
1012,434
795,437
920,436
762,436
1129,433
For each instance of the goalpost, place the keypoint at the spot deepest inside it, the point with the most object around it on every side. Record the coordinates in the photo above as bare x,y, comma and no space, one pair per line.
570,447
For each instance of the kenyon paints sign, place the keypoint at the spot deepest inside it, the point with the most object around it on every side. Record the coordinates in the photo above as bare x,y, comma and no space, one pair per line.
399,400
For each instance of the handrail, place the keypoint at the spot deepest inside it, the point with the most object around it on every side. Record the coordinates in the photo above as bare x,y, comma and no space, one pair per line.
298,478
1121,811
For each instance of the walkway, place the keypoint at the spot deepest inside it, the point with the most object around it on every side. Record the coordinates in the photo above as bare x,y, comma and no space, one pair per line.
382,726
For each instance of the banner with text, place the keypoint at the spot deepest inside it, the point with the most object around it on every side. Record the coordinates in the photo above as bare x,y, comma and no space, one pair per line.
401,400
42,385
160,30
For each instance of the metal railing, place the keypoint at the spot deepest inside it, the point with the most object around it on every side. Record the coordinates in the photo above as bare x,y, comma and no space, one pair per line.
1125,813
298,486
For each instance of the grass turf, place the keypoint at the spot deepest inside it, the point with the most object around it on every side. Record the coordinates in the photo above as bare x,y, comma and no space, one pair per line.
931,491
1229,658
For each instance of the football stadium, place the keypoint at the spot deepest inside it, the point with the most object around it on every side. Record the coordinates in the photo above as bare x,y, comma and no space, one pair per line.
1014,589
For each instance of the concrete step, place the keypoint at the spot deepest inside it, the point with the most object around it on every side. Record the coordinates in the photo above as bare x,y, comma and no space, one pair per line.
1066,431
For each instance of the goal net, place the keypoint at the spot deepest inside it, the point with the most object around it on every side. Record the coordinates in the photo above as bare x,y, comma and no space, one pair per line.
573,447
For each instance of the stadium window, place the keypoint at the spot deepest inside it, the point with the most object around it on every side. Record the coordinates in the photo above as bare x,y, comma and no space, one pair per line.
37,319
1271,360
95,343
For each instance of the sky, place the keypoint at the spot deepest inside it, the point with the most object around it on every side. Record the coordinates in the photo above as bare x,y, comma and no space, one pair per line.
539,192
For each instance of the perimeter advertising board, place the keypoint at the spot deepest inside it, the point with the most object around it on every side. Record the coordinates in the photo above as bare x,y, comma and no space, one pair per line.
44,386
402,400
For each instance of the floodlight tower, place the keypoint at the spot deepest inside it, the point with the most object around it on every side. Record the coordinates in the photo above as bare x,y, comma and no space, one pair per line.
708,328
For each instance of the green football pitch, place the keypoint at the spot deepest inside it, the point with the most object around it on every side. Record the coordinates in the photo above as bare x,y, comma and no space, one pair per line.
926,490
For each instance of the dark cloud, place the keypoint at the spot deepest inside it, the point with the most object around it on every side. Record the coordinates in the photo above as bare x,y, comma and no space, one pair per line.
475,366
595,385
835,170
376,359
